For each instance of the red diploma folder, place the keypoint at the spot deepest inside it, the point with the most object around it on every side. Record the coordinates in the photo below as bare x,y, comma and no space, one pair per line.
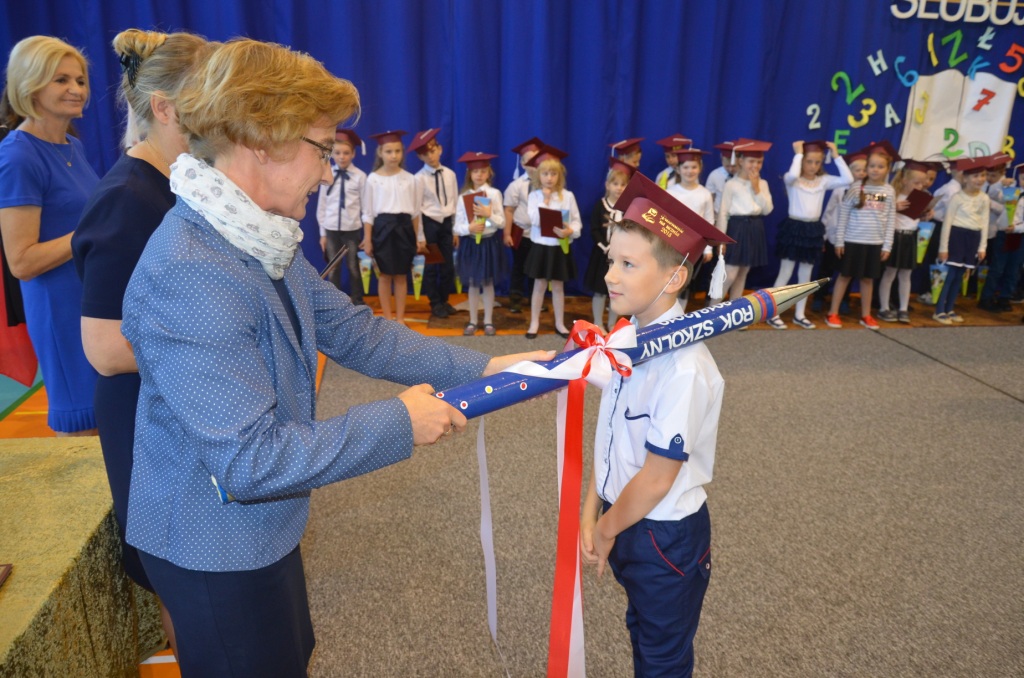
550,220
919,201
433,255
467,202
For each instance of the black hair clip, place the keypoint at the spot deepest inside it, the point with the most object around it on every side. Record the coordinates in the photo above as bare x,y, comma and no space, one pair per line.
130,65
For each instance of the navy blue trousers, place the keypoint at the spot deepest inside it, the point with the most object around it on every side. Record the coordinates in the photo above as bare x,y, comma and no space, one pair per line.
664,567
439,279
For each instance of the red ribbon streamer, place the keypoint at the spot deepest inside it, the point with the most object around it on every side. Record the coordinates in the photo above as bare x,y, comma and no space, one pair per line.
584,335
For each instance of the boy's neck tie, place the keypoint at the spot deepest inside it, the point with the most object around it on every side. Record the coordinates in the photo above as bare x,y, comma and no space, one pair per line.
343,175
439,187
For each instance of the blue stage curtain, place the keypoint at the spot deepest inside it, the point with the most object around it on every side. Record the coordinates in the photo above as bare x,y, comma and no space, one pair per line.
578,73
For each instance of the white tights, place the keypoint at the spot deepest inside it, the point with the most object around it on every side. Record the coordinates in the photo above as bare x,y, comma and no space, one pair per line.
735,280
474,303
597,306
885,287
803,275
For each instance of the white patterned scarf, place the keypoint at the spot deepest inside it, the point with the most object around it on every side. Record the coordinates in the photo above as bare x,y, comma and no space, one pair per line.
270,238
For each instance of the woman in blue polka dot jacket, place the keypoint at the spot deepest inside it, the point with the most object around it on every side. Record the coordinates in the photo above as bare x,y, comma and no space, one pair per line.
225,323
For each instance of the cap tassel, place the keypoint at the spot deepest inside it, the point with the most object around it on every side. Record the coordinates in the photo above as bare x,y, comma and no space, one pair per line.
515,175
362,145
717,288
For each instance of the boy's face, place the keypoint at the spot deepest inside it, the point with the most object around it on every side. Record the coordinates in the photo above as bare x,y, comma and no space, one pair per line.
635,279
430,154
671,158
728,164
342,154
751,166
930,177
632,158
995,176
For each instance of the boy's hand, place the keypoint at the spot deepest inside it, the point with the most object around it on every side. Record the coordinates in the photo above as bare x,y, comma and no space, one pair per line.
501,362
602,547
587,551
323,245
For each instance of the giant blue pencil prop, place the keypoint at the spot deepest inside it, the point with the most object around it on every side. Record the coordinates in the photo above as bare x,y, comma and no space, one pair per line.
487,394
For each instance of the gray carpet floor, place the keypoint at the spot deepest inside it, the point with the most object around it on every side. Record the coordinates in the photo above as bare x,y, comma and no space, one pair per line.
867,514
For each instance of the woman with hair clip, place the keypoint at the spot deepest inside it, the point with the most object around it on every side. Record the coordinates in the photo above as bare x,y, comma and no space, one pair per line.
225,318
128,205
45,181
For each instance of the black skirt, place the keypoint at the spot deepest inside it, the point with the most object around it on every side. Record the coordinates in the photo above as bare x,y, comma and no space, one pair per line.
750,248
550,263
861,261
394,243
904,250
597,268
800,240
963,247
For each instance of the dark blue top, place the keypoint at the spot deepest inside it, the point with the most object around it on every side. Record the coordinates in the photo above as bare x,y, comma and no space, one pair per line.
128,205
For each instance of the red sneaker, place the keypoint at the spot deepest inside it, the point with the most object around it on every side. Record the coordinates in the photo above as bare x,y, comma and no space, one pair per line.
869,322
833,320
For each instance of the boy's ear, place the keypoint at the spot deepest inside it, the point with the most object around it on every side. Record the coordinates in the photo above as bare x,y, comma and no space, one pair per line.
678,281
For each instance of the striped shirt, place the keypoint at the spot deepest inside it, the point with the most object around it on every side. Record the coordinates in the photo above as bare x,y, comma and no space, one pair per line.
872,224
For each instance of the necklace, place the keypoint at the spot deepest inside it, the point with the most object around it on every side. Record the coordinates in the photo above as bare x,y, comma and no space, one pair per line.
60,154
166,168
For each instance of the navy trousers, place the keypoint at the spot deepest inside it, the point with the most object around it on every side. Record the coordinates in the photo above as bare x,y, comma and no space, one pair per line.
439,279
664,567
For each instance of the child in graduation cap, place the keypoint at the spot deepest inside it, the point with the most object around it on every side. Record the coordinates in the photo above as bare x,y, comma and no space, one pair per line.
517,222
718,176
746,201
391,214
645,513
339,211
549,260
481,254
628,151
802,233
440,193
672,145
864,233
601,219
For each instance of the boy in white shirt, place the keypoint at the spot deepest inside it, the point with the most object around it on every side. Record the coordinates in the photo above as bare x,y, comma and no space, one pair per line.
440,197
338,212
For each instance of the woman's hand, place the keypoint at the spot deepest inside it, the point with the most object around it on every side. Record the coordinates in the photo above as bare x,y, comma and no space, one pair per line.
502,362
431,418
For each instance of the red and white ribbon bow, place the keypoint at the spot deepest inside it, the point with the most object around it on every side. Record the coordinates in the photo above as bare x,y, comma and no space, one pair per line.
598,358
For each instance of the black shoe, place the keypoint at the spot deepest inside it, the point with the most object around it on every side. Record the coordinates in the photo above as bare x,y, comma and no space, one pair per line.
451,309
531,335
515,308
439,311
563,335
1003,305
987,305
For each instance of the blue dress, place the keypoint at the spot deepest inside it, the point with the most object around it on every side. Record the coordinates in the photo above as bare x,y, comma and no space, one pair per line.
34,172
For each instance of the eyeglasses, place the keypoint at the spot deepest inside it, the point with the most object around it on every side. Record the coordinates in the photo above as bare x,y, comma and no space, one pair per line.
325,151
